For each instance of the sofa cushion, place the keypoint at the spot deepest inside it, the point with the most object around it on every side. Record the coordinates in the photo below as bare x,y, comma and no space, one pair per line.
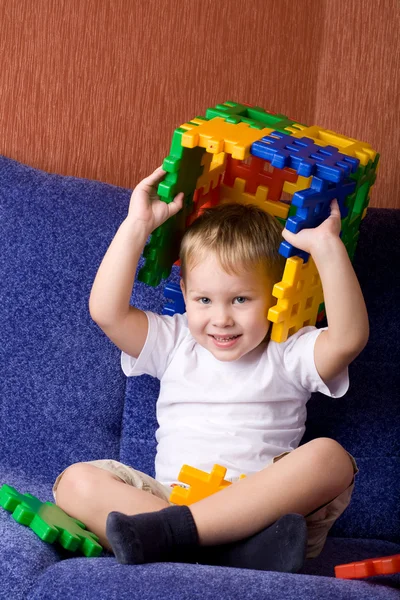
367,420
61,386
104,577
366,423
23,556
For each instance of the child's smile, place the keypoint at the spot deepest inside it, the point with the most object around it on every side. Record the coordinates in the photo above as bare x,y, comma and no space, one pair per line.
225,342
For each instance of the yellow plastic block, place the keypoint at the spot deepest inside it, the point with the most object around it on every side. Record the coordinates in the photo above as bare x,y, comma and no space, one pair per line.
202,484
237,194
214,167
218,136
302,183
324,137
299,297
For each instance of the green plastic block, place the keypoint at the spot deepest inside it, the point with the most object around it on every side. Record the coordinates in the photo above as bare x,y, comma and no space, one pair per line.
183,166
255,116
49,522
356,203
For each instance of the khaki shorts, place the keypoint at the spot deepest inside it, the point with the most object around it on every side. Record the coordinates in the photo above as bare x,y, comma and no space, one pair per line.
318,521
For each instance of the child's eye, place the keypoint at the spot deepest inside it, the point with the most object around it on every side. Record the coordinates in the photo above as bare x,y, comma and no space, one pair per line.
240,299
204,300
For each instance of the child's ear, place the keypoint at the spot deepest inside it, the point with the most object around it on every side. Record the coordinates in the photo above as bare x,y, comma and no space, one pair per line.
182,284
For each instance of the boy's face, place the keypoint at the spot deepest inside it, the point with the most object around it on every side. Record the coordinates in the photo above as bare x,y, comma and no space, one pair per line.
227,314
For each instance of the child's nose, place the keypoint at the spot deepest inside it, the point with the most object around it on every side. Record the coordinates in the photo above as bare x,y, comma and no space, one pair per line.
222,318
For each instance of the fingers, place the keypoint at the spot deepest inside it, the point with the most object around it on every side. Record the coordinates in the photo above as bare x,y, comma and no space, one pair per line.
288,236
156,175
176,204
334,206
154,178
286,232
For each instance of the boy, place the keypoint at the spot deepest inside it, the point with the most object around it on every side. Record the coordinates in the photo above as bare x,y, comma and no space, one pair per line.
228,395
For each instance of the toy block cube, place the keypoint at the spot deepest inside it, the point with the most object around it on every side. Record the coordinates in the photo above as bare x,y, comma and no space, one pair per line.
242,153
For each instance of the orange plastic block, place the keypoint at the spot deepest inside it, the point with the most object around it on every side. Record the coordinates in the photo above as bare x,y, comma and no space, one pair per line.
386,565
202,484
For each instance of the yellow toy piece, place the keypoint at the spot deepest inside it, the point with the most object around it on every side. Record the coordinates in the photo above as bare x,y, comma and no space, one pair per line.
217,135
303,183
299,297
214,167
202,484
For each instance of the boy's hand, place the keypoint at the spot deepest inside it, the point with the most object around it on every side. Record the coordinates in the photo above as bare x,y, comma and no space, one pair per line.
311,239
145,205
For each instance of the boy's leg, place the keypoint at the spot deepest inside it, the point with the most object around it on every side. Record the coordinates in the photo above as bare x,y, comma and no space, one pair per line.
89,494
302,481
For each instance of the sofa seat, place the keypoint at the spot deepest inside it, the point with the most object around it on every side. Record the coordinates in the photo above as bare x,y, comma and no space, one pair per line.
36,570
82,578
23,555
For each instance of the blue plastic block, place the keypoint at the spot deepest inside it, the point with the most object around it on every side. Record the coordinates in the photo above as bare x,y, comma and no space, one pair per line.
304,156
314,207
176,304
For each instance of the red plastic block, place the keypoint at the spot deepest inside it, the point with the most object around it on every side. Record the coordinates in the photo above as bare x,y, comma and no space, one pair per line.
386,565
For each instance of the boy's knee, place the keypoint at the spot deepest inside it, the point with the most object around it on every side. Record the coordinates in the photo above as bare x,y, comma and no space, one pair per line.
77,484
330,457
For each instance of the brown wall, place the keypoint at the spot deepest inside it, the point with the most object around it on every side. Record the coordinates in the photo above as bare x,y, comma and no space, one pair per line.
95,88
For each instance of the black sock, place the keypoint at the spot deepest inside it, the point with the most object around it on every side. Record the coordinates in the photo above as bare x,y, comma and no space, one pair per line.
279,547
167,535
170,535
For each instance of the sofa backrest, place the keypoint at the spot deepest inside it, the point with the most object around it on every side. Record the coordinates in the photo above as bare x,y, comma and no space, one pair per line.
367,420
61,386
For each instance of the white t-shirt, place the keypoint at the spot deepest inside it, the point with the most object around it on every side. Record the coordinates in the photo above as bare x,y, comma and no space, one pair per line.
238,414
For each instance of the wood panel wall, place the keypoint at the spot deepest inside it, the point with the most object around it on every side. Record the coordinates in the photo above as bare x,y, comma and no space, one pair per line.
95,88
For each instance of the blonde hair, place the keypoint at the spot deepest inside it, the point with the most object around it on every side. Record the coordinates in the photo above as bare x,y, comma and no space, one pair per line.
242,236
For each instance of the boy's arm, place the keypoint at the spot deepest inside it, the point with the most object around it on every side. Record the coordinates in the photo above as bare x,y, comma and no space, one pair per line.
348,327
109,307
109,300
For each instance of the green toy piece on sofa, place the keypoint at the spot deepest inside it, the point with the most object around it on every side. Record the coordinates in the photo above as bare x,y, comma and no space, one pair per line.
49,522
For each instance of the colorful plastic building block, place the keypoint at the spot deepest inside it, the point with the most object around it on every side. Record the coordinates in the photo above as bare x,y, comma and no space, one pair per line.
176,304
49,522
299,298
201,484
386,565
242,153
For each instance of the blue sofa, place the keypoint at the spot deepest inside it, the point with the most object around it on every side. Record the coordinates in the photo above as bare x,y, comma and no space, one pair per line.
65,399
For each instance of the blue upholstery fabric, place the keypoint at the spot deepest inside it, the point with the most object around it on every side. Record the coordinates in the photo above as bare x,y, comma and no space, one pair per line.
89,579
63,399
367,420
23,556
61,385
